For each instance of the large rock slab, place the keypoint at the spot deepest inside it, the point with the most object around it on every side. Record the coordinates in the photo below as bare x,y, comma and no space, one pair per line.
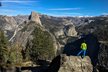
63,63
76,64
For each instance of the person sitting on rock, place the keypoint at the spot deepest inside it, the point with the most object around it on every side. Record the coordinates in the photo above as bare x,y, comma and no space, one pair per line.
84,48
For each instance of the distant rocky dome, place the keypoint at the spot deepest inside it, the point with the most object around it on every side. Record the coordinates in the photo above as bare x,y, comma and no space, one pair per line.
35,17
64,63
68,30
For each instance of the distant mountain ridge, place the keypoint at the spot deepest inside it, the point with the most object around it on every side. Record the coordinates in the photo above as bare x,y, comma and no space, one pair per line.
58,26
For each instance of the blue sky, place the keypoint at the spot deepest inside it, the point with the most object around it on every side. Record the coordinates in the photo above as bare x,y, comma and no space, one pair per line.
55,7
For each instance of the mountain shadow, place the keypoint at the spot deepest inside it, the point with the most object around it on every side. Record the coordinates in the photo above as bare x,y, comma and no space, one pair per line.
92,47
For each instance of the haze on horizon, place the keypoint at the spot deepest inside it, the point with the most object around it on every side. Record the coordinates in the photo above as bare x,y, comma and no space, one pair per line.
55,7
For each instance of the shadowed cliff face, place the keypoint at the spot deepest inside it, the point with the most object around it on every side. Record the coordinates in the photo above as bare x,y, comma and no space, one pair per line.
92,47
55,65
103,58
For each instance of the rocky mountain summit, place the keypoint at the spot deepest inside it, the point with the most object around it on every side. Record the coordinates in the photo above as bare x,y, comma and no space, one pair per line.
35,17
26,28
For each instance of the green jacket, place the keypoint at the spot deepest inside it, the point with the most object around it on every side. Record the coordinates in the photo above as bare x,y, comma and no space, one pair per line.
84,46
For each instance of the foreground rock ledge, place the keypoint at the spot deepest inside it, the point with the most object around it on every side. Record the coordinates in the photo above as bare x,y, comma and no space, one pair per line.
65,63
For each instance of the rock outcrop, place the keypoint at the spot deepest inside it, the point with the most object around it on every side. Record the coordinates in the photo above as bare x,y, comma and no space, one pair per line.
69,30
35,17
59,33
63,63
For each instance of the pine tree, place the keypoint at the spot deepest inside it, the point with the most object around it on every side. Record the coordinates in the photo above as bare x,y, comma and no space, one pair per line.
41,46
3,48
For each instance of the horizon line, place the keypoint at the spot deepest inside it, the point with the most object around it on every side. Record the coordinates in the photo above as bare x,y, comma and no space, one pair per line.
54,15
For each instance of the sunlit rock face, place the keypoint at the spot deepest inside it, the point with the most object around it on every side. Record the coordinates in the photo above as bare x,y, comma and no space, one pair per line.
70,30
63,63
35,17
